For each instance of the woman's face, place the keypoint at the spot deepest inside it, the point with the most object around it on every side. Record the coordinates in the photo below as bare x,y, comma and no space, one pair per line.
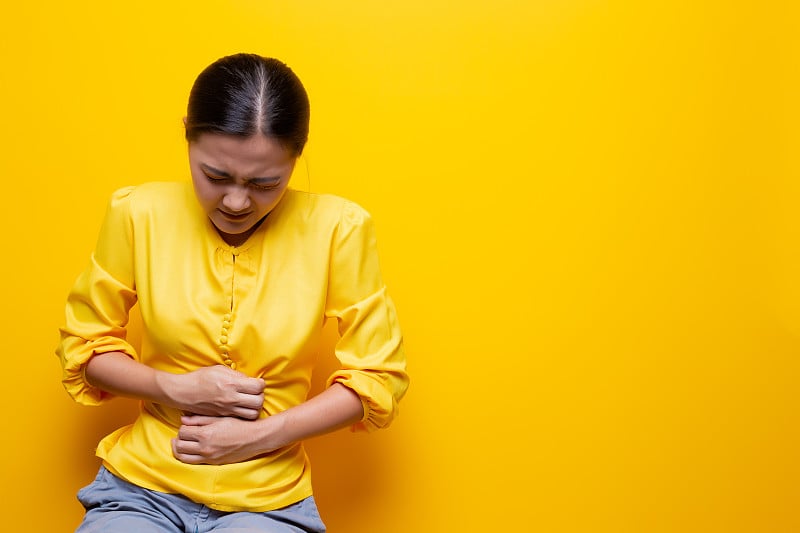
238,180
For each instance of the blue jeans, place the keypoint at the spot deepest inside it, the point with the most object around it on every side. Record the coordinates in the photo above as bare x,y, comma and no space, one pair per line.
116,506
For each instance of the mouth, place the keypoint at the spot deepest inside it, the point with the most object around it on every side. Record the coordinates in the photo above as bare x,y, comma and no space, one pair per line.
234,217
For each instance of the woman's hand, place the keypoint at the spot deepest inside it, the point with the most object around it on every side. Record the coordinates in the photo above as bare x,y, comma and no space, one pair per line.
217,440
216,391
222,440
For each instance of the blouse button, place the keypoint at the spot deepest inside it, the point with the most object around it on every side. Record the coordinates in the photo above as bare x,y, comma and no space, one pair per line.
233,365
224,331
223,340
228,362
227,317
226,324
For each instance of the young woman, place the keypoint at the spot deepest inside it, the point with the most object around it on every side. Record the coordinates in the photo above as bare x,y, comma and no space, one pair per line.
234,275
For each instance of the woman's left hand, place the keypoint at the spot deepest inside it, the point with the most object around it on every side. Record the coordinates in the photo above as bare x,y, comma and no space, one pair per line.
217,440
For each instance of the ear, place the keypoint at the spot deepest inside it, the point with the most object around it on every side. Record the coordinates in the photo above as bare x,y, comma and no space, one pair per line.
184,122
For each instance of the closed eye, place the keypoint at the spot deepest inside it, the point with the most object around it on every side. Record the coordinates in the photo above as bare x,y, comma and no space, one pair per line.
264,186
258,184
215,179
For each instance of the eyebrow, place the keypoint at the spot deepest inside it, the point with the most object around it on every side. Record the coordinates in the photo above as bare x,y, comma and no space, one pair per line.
223,174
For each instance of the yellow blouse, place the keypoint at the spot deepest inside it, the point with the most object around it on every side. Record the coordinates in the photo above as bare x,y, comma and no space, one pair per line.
258,308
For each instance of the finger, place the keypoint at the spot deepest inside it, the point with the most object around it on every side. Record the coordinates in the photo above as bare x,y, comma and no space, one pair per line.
252,386
231,373
250,401
197,420
189,433
189,458
247,414
184,446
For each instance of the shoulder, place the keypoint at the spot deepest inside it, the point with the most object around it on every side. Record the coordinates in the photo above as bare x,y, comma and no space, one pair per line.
151,193
149,197
323,208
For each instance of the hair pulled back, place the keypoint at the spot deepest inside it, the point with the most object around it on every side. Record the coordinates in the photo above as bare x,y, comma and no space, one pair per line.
245,94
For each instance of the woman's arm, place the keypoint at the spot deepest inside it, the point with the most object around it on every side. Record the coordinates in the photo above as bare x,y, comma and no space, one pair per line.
223,440
215,390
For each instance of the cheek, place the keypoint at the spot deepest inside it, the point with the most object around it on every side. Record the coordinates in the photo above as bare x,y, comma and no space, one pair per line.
206,194
268,204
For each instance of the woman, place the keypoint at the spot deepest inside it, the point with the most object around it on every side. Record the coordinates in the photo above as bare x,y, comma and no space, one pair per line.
234,277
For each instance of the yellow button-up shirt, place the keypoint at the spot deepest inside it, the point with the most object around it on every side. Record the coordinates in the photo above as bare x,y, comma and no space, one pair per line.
258,308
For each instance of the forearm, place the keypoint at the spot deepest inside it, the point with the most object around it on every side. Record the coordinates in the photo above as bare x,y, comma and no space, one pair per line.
224,440
216,390
118,374
335,408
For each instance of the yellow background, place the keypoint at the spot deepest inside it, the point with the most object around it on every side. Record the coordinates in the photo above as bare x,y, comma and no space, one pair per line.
587,215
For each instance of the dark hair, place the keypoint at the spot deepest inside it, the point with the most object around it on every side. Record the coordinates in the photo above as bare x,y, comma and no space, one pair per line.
244,94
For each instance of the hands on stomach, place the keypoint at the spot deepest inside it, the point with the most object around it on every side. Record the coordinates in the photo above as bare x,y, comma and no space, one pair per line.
220,404
215,391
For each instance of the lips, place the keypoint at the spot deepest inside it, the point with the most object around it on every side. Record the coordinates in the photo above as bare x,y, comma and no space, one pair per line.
238,217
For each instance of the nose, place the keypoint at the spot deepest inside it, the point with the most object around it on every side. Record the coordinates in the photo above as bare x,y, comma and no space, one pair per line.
236,199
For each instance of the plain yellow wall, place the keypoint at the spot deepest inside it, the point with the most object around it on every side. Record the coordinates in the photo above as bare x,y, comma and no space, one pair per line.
587,215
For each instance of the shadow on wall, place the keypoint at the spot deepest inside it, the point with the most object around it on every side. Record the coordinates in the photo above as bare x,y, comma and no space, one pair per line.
350,471
91,424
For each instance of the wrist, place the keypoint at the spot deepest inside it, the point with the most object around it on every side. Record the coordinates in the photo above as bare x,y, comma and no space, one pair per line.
271,433
165,385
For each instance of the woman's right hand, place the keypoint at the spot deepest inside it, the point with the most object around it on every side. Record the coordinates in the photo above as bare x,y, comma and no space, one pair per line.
214,390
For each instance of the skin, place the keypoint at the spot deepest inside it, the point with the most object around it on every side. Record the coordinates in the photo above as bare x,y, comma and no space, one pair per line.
237,181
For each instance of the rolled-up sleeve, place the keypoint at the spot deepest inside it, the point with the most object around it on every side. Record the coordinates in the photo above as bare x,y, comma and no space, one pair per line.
98,305
370,348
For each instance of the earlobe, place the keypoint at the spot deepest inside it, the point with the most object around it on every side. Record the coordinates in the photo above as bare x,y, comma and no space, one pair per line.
184,122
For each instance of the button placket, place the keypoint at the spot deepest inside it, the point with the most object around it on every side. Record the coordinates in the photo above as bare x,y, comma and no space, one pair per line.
224,348
235,256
